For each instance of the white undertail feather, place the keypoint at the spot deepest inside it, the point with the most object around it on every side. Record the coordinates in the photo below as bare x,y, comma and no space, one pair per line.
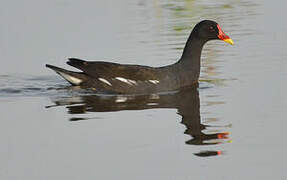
73,80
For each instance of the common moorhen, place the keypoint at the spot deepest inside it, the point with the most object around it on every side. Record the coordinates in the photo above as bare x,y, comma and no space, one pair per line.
107,77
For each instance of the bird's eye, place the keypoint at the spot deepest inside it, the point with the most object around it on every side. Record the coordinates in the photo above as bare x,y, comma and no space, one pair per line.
211,29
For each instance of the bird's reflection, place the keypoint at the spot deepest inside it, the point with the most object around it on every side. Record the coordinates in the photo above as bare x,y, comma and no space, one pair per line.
186,101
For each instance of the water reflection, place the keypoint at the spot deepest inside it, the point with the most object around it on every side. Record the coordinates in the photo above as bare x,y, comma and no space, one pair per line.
186,101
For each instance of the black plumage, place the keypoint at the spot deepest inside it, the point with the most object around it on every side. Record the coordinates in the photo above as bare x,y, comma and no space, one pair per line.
132,79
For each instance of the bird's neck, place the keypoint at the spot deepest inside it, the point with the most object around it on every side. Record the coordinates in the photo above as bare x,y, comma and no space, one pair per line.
190,59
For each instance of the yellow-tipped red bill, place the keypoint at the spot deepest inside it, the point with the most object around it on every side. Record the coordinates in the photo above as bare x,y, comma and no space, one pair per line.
228,41
223,36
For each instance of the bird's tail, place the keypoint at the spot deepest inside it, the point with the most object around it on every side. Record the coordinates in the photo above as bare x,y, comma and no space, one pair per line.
77,63
75,78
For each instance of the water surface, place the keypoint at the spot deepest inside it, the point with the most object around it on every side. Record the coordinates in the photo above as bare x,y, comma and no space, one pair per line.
230,127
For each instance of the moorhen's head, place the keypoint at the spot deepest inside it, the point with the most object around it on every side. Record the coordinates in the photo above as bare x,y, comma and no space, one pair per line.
210,30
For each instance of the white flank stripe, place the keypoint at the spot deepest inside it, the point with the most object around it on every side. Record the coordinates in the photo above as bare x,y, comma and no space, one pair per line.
71,79
105,81
154,81
132,81
128,81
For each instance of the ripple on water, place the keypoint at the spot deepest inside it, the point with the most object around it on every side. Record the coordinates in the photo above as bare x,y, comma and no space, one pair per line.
20,86
9,91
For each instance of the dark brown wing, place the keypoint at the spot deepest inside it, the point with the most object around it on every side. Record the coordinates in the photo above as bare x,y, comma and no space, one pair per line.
119,78
98,69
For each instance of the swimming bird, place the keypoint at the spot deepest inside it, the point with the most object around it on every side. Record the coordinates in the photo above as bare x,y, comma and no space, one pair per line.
108,77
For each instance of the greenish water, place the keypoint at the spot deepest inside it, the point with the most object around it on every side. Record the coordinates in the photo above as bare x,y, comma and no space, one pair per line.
231,127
